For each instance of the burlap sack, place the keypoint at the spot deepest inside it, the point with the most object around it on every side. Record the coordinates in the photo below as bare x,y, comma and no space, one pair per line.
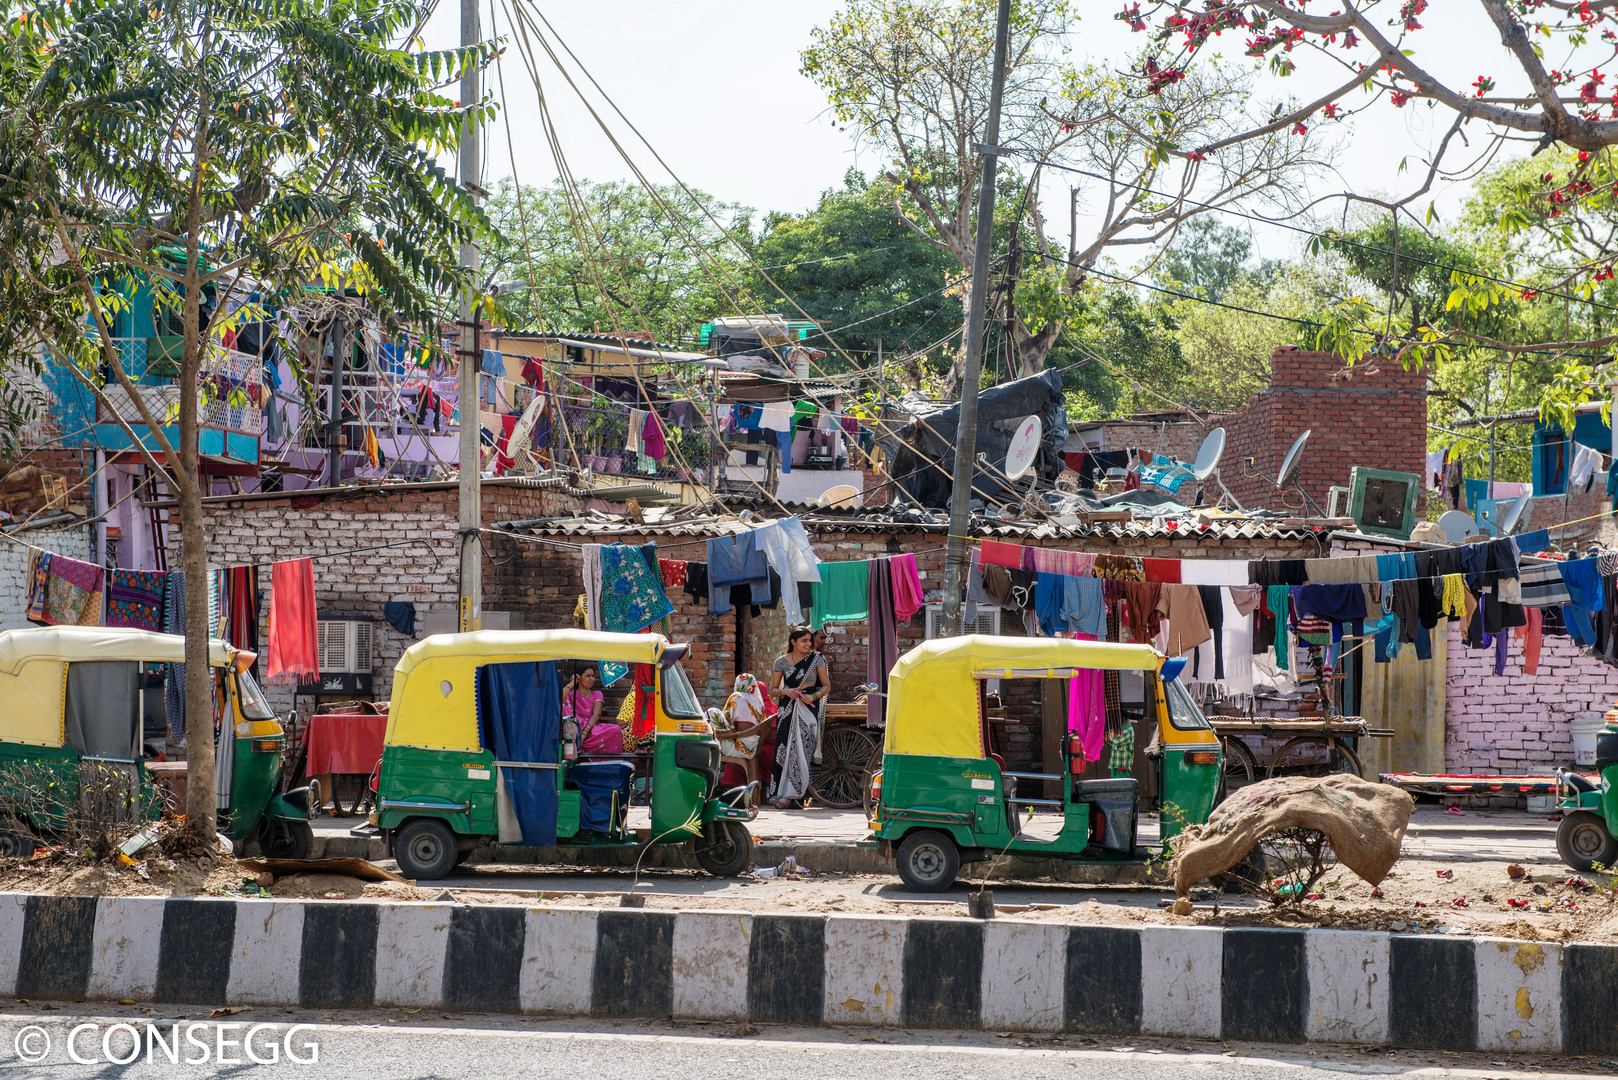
1365,823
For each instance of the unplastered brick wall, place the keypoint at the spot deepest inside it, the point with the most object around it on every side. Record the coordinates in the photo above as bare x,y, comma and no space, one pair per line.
1519,723
303,525
1178,440
73,542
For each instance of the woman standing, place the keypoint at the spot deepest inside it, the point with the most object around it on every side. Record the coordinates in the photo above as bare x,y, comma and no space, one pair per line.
798,680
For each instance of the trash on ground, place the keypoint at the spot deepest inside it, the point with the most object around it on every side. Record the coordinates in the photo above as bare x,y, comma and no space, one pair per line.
355,868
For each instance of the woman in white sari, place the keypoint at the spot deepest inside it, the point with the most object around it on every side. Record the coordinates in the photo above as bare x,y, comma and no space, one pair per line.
799,680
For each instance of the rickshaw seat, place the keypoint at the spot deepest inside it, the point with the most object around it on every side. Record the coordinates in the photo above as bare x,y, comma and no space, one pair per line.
1114,801
1579,783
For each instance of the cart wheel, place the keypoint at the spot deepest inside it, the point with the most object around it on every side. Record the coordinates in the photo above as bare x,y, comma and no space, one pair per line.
725,849
1240,768
282,838
928,861
1340,758
16,839
1583,840
425,849
846,753
348,792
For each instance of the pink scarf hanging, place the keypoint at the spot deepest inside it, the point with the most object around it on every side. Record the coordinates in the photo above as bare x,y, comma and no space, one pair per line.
907,598
1087,706
294,649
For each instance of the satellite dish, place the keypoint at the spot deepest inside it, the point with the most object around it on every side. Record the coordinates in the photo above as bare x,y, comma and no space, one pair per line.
1023,449
1517,513
1292,464
1213,448
1457,525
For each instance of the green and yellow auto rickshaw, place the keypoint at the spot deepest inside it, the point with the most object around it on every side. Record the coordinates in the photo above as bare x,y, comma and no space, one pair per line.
1587,838
474,753
942,798
70,731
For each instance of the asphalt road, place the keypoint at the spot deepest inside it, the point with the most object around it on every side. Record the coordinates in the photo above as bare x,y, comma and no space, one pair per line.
388,1044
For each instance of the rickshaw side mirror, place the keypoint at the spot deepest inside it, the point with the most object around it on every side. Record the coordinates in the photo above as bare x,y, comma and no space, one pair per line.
1171,669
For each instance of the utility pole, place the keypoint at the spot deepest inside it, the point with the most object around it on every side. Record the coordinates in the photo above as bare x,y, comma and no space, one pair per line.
471,515
960,502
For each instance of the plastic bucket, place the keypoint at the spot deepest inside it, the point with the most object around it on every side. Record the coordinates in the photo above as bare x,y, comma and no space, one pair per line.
1585,730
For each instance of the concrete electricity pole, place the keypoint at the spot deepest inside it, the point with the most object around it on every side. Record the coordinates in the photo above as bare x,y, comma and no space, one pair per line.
471,516
960,502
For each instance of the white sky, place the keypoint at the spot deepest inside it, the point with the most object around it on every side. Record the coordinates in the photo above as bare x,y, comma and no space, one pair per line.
714,85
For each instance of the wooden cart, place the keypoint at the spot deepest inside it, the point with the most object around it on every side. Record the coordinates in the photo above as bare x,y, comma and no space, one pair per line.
849,751
1293,758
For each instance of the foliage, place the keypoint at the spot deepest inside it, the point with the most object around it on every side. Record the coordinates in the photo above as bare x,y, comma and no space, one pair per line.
851,261
88,816
1209,259
1124,349
661,264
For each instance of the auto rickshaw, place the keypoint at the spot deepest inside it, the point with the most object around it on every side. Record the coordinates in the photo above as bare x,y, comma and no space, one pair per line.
73,710
942,798
473,754
1588,834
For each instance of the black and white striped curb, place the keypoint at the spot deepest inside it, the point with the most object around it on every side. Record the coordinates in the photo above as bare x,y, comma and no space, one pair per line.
1446,993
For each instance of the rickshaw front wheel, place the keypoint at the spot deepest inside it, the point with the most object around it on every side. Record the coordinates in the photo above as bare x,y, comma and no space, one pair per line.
284,838
1583,840
928,861
725,849
425,849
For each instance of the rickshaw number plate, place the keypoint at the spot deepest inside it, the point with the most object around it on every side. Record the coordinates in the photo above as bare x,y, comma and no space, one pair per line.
983,785
986,800
477,774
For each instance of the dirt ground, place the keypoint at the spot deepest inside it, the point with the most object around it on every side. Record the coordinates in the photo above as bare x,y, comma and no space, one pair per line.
1474,899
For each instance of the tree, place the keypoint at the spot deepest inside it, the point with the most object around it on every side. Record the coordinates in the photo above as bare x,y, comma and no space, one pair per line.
235,144
659,261
912,78
1208,258
851,262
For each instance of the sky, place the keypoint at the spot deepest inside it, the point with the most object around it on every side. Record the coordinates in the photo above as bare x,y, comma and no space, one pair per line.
714,86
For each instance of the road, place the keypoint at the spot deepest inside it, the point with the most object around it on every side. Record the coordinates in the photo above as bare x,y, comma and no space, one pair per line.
384,1045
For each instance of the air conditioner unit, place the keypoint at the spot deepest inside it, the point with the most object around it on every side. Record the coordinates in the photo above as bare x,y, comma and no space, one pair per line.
1383,502
346,660
1337,501
988,622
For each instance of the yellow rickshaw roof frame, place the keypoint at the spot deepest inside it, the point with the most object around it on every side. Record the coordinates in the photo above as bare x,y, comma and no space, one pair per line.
79,644
937,715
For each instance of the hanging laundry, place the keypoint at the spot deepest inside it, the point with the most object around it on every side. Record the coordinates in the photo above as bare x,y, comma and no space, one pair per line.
174,674
883,650
736,560
294,648
401,615
907,596
1586,462
1181,607
673,571
652,437
1084,611
634,439
786,547
39,580
1087,707
996,553
135,598
73,594
777,416
591,570
843,593
1055,561
631,596
373,452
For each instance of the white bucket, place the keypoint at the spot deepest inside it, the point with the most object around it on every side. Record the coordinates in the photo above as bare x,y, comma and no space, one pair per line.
1585,730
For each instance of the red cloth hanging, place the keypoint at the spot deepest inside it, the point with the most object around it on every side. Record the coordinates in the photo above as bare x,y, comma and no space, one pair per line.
1163,571
645,721
999,553
294,648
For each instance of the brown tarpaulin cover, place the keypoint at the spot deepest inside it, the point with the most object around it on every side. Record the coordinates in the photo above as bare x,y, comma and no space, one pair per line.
355,868
1365,823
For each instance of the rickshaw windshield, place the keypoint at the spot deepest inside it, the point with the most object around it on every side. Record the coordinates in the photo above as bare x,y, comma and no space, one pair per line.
679,698
254,707
1183,711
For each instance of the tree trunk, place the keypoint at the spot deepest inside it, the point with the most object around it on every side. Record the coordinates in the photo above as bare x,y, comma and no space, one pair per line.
1033,349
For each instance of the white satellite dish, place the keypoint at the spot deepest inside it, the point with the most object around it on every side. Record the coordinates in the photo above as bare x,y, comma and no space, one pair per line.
1292,464
1517,514
1208,455
1457,525
1024,448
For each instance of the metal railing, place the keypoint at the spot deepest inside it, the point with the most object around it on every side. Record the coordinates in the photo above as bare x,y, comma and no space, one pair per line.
228,397
599,437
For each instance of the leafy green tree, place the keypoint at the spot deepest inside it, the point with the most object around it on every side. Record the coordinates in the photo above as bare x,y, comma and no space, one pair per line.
223,146
617,257
852,262
1210,258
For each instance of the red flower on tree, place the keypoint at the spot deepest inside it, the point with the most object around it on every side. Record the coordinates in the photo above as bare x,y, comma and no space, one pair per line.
1483,84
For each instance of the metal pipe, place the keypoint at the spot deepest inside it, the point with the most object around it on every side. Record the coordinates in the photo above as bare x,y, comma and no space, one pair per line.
960,503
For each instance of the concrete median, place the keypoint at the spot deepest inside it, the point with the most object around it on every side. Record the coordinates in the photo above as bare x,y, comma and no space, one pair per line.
1437,992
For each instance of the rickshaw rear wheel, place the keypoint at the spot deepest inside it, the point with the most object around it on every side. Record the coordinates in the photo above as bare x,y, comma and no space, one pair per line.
928,861
426,849
16,839
1583,840
725,849
281,838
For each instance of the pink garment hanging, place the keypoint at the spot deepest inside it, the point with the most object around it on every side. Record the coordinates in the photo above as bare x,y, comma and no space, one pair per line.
652,436
998,553
294,649
1087,706
907,598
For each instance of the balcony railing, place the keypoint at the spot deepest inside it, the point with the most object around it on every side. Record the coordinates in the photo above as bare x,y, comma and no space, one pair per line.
227,399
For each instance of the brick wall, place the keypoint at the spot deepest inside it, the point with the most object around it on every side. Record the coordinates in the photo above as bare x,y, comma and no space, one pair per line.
1176,440
73,542
76,465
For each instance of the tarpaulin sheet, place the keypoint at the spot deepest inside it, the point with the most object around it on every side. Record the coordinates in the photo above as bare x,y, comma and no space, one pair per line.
932,439
520,708
344,743
603,793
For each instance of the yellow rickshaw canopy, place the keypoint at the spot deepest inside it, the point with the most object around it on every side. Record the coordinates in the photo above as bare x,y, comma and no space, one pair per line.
933,690
33,670
434,701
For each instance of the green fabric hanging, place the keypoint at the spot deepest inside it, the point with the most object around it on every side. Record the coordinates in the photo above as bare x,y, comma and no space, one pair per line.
842,594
